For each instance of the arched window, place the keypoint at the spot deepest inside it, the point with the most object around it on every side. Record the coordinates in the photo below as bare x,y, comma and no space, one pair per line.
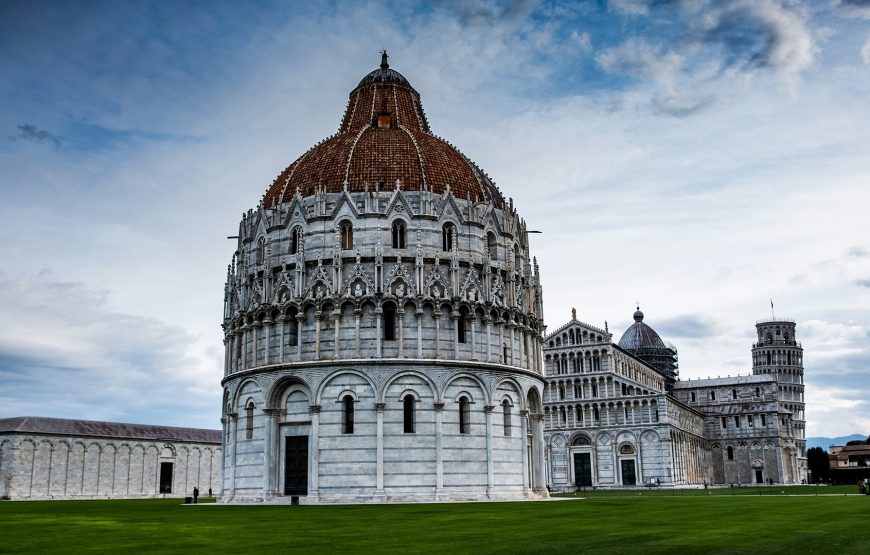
261,251
398,234
730,453
561,392
249,420
347,414
492,246
626,450
408,406
295,238
464,414
346,235
506,415
460,328
389,322
447,233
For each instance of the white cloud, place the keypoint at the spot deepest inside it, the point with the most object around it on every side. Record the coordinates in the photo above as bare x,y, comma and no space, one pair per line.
865,51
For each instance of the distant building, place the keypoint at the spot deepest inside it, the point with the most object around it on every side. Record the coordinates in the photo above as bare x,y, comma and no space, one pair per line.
616,414
54,458
849,463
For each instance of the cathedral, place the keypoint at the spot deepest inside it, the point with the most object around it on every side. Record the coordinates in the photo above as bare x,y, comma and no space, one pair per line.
616,414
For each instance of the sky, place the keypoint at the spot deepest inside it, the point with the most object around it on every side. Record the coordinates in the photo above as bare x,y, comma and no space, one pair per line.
699,158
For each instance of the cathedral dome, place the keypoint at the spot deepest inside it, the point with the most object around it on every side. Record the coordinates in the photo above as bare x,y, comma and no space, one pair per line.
384,142
640,335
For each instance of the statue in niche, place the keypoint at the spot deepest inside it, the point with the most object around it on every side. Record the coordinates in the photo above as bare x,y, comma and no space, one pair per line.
284,296
472,295
357,290
400,290
319,292
436,293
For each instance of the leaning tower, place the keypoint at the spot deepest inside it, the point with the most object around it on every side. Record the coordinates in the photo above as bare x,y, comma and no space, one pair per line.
778,353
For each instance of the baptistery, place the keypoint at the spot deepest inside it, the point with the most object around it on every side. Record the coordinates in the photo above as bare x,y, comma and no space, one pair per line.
382,323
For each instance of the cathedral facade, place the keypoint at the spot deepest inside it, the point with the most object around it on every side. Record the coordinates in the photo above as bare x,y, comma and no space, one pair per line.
383,323
617,415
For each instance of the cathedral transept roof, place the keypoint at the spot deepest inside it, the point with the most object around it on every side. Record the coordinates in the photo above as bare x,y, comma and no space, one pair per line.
384,142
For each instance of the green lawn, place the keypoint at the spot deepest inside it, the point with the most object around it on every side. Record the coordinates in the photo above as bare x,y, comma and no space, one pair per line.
605,524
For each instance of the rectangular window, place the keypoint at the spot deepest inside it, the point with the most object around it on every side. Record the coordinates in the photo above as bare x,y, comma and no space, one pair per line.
763,420
733,393
693,396
749,420
724,423
736,421
712,395
389,325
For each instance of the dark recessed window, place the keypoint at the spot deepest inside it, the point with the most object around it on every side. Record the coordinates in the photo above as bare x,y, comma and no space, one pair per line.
347,414
464,414
408,409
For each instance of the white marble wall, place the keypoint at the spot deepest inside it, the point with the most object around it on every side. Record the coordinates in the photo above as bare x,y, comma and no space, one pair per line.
55,467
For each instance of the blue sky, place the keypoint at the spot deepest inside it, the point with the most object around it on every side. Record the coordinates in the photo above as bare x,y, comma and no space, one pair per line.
700,157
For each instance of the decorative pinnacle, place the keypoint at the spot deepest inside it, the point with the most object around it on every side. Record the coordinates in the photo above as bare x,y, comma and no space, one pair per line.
384,56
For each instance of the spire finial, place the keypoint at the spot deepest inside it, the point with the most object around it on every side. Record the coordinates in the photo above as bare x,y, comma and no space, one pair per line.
384,56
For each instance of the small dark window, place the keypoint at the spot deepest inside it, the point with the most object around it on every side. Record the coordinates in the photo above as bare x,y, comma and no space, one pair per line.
736,421
758,392
447,237
346,235
561,392
347,416
724,422
763,420
733,393
506,415
389,323
408,406
398,234
249,421
730,453
712,395
464,413
749,421
693,396
492,246
460,331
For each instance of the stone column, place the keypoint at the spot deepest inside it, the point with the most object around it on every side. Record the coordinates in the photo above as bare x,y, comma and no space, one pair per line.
337,315
281,340
400,314
521,342
256,333
300,318
524,418
513,341
419,315
314,454
437,316
317,316
379,337
439,452
379,483
356,345
490,471
270,418
267,327
234,421
454,319
501,340
472,320
488,321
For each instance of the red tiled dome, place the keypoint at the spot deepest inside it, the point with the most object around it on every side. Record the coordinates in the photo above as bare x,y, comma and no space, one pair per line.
384,137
